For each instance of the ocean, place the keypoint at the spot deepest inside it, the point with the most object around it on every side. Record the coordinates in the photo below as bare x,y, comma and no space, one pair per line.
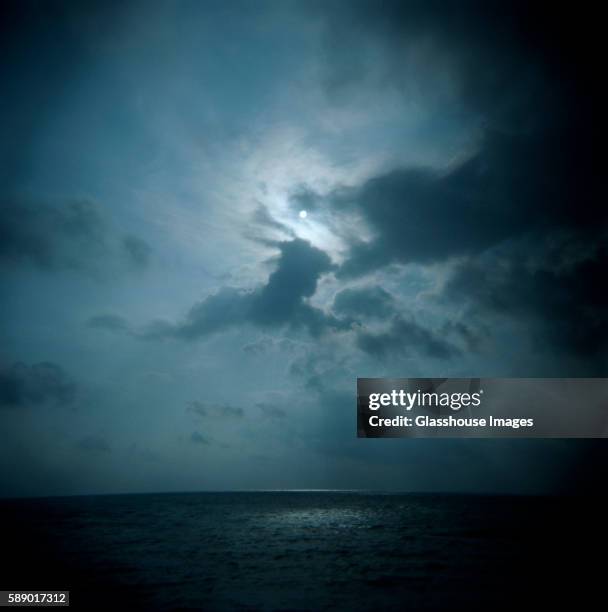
306,550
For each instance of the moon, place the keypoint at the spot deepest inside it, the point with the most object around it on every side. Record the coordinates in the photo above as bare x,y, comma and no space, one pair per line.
303,214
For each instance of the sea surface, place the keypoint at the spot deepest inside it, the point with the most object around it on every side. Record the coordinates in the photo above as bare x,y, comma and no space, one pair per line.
304,550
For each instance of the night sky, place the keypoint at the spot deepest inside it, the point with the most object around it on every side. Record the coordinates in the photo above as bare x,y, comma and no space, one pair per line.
215,216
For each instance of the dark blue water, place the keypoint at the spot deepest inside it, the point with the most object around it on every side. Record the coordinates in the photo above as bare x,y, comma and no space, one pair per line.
296,551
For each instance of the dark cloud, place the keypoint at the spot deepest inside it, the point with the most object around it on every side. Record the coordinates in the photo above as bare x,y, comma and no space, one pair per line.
73,236
504,60
526,78
515,190
280,302
405,337
221,411
561,300
515,185
41,383
417,217
366,302
226,308
94,444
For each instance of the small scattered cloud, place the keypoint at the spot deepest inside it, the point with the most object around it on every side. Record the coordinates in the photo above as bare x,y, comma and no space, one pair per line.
138,251
70,236
109,322
198,438
41,383
216,411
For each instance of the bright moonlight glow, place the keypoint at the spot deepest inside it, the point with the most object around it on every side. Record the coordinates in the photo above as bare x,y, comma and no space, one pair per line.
303,214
